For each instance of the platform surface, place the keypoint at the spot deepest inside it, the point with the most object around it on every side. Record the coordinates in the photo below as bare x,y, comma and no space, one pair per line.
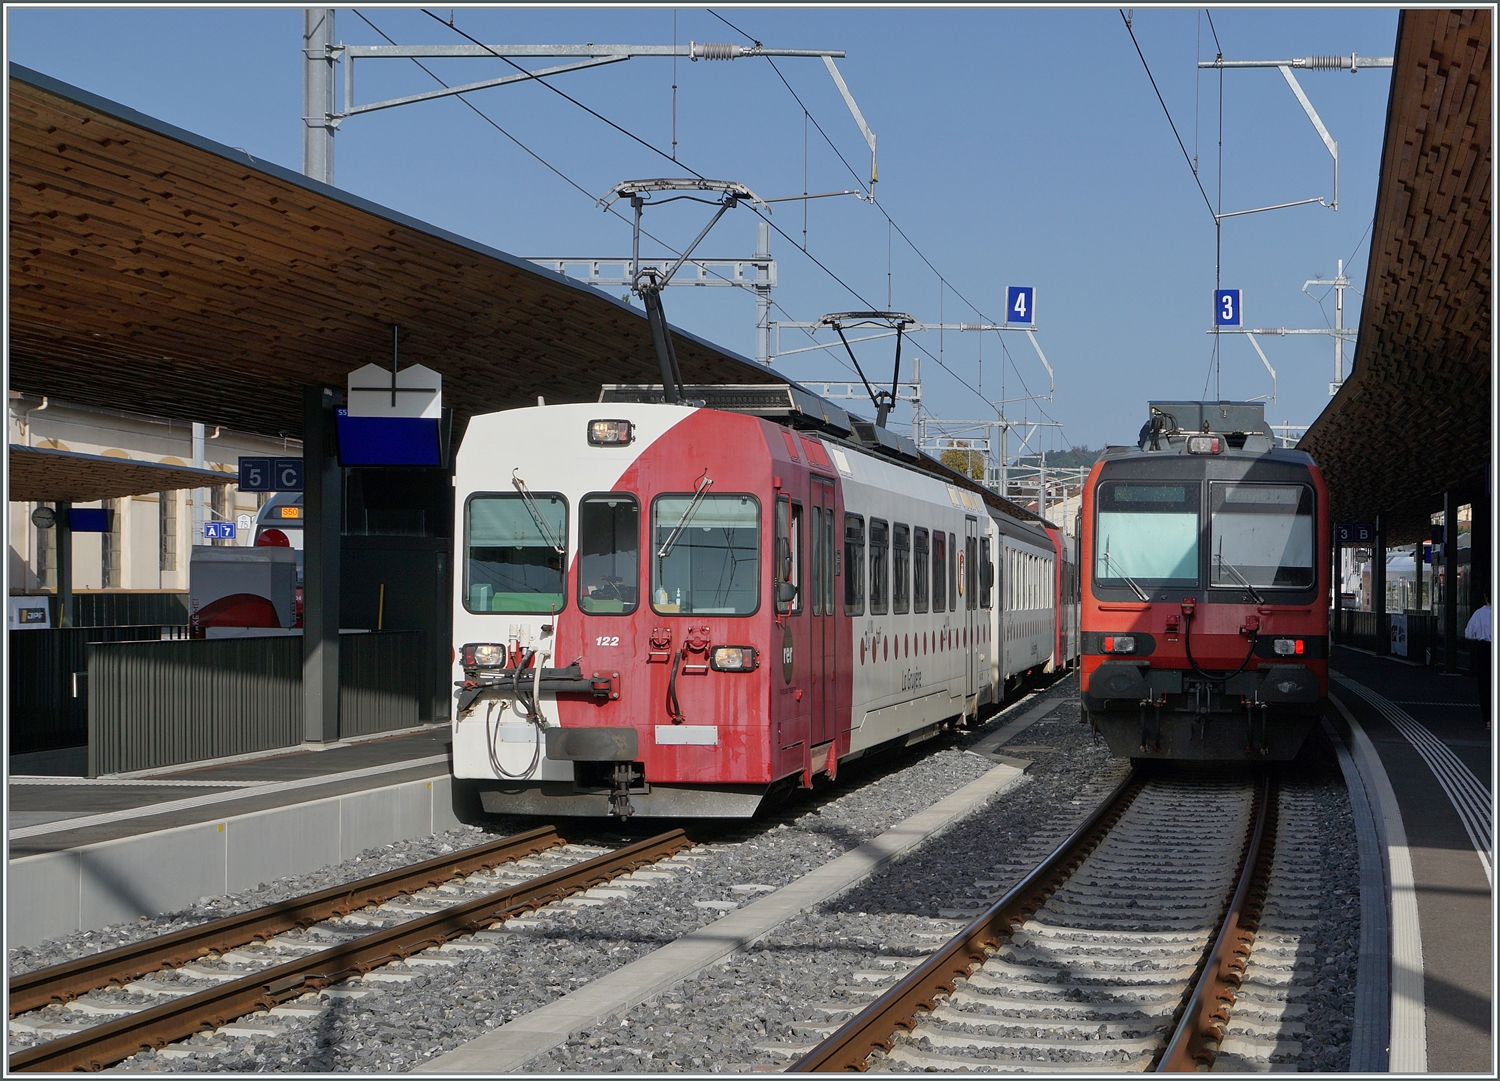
1454,893
50,813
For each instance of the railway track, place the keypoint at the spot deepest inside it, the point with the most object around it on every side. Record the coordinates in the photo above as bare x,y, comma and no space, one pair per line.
1122,951
196,979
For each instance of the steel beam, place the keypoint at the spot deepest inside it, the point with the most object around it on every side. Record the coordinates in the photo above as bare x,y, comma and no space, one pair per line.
322,504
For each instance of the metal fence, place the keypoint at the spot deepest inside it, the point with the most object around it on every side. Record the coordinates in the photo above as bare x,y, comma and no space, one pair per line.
122,608
156,704
48,684
1352,628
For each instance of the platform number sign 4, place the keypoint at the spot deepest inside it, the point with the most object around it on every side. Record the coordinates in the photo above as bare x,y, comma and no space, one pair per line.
1020,304
1227,308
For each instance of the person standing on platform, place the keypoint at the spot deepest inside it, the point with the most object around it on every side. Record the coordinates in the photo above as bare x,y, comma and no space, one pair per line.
1478,632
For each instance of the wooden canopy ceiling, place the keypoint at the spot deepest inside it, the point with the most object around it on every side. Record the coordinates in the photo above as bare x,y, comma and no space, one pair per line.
1414,418
154,270
40,475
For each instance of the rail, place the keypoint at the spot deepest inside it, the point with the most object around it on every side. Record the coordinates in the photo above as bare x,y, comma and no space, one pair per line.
114,1041
1197,1024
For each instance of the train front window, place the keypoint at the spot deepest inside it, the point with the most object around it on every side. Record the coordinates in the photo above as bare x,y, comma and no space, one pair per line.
1147,535
1261,535
609,554
705,555
514,549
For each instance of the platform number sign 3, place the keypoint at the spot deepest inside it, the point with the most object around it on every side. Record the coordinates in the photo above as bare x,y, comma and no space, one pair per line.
1227,308
1020,304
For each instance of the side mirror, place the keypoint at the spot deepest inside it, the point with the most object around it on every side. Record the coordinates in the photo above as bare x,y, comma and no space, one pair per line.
786,592
784,558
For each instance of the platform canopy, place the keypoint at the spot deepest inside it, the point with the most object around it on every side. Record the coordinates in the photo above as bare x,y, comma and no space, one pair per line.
1414,418
154,270
42,475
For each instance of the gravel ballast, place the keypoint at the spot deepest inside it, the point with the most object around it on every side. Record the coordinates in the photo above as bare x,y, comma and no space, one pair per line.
410,1012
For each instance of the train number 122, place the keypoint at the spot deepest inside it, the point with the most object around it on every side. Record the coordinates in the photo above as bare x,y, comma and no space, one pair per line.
607,640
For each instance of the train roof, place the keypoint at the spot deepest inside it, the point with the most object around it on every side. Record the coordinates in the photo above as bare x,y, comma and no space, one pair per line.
1236,429
799,408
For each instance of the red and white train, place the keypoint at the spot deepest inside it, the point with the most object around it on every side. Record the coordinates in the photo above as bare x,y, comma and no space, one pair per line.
673,610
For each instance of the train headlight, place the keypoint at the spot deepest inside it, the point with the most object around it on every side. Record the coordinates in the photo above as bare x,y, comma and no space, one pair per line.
734,659
1203,444
1288,647
1119,643
485,656
611,433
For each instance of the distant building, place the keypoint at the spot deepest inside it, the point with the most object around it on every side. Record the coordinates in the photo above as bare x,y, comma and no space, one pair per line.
150,544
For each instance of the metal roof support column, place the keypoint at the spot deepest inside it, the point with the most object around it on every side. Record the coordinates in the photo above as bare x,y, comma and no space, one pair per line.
317,93
1377,587
322,504
63,527
1450,581
1336,634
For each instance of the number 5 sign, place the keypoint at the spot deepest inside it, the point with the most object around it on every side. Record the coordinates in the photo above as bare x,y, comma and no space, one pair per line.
1227,308
1020,304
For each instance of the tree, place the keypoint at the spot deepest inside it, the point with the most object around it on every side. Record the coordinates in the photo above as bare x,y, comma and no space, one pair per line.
961,458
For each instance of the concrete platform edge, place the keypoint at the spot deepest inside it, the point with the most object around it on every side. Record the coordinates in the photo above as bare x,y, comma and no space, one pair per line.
92,886
509,1048
1408,1011
1369,1039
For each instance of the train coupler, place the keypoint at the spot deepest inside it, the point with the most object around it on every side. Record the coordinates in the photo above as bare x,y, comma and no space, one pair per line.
619,795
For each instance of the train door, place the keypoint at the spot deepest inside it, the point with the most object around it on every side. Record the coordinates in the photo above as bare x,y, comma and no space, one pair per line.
970,585
822,643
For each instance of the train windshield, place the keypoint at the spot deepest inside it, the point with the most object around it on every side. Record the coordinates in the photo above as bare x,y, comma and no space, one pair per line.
609,554
514,547
705,555
1147,535
1262,536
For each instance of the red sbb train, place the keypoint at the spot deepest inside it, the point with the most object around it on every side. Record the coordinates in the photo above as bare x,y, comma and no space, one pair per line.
684,610
1204,552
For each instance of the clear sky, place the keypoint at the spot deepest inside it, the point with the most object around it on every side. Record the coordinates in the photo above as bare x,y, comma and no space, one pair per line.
1017,146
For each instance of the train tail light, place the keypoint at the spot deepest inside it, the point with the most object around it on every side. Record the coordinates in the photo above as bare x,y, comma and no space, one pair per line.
611,433
1119,643
1204,444
1289,647
734,659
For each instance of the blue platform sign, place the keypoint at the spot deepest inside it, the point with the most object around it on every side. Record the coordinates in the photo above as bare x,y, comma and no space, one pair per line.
1354,533
1227,308
270,475
218,531
1020,304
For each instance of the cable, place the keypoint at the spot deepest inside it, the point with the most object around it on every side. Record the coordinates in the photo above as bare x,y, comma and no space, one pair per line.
1185,157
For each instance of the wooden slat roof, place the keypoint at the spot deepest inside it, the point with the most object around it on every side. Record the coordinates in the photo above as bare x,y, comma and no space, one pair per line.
1414,418
157,271
41,475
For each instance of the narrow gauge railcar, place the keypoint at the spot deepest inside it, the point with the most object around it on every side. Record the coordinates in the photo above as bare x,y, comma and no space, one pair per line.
1206,575
669,610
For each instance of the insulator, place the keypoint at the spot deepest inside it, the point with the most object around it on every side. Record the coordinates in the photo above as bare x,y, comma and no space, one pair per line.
713,50
1326,63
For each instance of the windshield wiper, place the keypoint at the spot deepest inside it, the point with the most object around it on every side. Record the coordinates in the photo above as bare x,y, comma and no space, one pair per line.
1232,569
543,526
704,483
1131,582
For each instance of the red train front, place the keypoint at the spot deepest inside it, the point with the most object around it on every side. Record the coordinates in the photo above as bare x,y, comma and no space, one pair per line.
1204,555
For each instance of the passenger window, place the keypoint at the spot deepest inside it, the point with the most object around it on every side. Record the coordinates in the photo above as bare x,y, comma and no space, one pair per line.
971,573
901,568
952,573
788,569
514,552
854,565
986,574
609,554
880,545
939,574
919,570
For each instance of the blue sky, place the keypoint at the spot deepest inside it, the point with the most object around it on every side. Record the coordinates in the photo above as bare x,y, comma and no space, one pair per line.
1017,147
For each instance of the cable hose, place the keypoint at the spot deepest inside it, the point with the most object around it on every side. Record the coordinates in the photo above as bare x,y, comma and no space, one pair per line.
490,739
674,708
1187,643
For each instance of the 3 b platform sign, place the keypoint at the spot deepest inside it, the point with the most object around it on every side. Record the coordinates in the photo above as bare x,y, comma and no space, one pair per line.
1354,533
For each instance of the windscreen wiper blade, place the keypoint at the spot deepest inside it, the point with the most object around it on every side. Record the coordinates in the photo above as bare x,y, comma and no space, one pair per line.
1224,564
704,483
1131,582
